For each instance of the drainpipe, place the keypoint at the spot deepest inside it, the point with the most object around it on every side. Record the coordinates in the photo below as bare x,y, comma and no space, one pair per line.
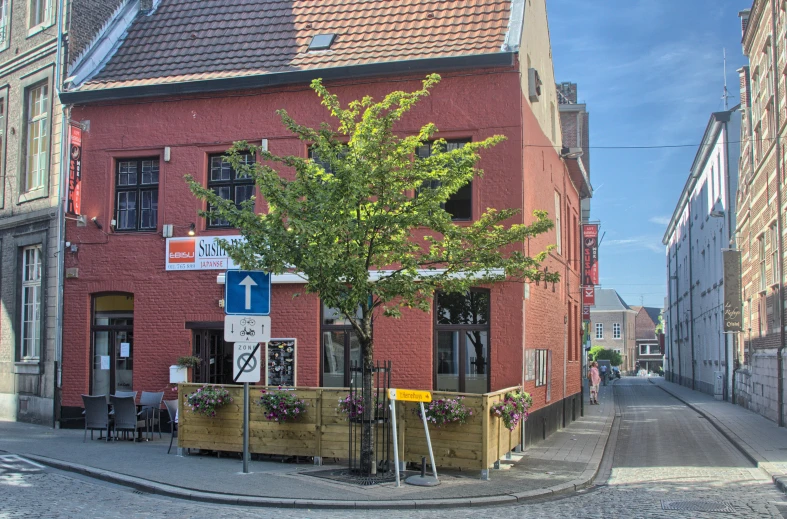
780,351
668,324
729,338
677,310
691,298
61,221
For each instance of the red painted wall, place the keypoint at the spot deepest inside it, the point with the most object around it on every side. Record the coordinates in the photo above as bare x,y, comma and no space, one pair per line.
465,105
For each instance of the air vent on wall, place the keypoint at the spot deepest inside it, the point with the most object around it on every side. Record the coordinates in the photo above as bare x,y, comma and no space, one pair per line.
533,84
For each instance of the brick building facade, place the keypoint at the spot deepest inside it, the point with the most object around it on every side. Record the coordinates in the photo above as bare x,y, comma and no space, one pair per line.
612,326
759,383
32,49
120,292
648,348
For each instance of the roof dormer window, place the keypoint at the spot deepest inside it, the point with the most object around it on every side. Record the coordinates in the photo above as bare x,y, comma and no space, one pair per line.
322,41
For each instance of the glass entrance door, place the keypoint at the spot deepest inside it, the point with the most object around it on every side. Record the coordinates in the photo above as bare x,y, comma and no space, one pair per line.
113,344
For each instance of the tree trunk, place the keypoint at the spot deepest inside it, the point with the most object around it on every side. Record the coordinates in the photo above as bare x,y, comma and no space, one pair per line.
368,464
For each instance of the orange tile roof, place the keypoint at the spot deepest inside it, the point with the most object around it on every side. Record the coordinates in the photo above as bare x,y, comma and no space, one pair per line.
190,40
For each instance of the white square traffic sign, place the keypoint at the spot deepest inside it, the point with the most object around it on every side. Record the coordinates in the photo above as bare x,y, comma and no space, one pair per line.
246,362
245,328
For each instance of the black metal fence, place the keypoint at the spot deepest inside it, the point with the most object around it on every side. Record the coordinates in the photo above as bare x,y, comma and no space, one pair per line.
379,418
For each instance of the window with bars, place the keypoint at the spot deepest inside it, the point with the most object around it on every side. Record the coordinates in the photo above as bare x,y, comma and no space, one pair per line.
37,138
30,346
460,204
599,330
229,184
616,330
541,367
136,194
40,13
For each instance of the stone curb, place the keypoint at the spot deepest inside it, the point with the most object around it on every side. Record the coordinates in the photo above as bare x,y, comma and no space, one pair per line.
152,487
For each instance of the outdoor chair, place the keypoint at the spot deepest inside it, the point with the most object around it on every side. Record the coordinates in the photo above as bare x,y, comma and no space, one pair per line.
172,409
151,410
96,415
126,417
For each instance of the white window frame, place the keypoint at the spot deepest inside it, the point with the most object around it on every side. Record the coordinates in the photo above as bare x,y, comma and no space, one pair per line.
774,232
616,330
5,24
761,260
43,8
599,330
36,147
558,237
30,330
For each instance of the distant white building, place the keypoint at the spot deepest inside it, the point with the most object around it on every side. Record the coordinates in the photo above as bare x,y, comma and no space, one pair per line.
697,350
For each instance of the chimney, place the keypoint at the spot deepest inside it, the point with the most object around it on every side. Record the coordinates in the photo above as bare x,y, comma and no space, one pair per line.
744,16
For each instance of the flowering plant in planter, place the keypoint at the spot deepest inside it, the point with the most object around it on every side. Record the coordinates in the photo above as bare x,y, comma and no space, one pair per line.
207,399
446,411
513,408
281,406
352,406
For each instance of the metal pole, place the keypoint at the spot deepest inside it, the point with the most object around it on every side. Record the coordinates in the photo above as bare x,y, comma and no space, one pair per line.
392,404
428,440
245,427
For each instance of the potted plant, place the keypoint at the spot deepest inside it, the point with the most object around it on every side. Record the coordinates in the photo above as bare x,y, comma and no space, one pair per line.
182,370
445,411
352,407
281,406
207,399
513,408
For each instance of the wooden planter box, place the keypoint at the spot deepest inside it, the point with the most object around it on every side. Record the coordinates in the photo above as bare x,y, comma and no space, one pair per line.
323,430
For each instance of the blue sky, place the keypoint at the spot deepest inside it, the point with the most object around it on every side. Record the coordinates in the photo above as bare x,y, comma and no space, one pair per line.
651,73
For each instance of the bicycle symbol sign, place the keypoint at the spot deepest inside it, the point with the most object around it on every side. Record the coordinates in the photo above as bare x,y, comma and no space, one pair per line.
246,362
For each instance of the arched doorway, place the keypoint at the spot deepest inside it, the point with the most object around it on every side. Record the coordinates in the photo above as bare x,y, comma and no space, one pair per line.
112,341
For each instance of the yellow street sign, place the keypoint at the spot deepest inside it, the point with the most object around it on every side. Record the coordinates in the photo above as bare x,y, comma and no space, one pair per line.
410,395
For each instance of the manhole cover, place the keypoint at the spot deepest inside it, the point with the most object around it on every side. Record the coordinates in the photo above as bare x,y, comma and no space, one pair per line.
697,506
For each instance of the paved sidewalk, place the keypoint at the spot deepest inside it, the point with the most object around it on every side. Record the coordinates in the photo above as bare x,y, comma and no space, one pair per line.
566,461
762,441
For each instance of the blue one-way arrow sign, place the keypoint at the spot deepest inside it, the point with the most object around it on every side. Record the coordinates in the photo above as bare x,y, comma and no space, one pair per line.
247,292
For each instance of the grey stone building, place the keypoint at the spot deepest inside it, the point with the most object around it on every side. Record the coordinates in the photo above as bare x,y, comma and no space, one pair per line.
612,326
32,130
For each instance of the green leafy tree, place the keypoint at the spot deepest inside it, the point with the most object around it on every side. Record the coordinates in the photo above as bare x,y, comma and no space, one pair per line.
659,326
355,207
601,353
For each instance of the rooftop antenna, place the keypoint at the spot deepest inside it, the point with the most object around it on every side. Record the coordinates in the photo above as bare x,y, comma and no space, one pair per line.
726,94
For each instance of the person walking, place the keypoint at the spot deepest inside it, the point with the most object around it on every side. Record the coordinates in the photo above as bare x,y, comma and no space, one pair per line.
604,373
595,380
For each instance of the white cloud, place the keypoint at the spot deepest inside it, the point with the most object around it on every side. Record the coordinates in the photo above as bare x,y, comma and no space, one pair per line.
660,220
637,243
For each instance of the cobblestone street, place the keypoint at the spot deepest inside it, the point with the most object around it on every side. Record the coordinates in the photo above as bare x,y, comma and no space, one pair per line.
660,452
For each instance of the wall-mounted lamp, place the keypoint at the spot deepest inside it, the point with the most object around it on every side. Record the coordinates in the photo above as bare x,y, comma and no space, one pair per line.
192,229
95,221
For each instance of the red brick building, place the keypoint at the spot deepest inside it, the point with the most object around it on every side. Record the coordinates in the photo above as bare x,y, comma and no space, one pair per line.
168,101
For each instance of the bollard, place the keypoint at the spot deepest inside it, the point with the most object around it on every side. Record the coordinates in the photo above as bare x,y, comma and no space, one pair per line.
423,466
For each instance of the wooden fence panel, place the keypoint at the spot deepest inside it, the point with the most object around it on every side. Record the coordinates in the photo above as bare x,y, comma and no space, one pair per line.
323,430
